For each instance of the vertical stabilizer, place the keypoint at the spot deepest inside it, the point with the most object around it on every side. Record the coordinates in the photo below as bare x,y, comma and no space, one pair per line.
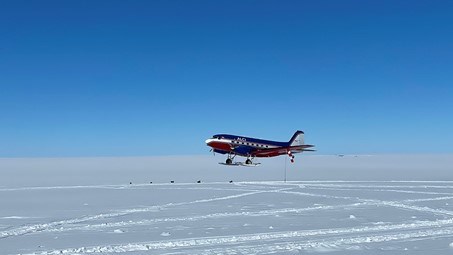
297,139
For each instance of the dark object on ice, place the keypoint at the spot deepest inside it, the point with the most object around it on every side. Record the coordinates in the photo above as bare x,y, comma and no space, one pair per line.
172,181
198,181
231,181
150,182
130,182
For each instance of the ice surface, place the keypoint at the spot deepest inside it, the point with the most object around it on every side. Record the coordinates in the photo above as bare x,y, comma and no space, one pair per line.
95,212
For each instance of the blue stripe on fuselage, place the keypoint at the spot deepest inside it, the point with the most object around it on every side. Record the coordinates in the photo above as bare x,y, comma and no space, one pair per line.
251,140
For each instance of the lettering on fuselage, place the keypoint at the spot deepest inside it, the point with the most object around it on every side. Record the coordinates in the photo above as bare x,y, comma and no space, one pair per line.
241,139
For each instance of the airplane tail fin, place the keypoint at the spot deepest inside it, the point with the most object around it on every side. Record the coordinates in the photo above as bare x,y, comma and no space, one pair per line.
297,139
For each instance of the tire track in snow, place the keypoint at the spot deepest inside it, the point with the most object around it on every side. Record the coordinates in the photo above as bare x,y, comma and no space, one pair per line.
110,186
317,195
43,226
426,199
204,217
362,188
365,185
409,207
326,245
376,202
52,225
134,186
57,225
257,214
395,204
379,186
234,240
382,190
294,186
65,187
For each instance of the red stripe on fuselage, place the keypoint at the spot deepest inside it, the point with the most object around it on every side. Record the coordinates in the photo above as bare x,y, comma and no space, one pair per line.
220,146
270,152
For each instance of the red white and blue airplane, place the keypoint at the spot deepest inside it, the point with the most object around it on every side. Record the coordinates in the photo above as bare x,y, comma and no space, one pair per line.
252,147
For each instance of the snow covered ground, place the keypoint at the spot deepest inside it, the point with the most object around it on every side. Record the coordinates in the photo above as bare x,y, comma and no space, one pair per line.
93,212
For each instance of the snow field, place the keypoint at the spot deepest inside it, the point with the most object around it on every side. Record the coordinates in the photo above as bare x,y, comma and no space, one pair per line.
229,218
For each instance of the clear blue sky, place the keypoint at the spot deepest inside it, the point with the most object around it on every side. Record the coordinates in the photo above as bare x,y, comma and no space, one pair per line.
125,78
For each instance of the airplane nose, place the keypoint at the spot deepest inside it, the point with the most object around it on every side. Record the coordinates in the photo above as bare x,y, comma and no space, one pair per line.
208,141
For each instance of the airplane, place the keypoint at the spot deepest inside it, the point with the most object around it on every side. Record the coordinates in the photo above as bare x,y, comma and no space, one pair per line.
252,147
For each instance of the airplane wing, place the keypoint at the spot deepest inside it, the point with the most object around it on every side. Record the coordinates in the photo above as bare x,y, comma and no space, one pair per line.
282,150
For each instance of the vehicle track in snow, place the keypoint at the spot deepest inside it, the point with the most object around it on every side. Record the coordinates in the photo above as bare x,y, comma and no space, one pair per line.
268,242
260,213
66,225
392,203
306,239
27,229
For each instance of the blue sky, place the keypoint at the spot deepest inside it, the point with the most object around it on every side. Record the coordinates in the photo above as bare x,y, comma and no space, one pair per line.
132,78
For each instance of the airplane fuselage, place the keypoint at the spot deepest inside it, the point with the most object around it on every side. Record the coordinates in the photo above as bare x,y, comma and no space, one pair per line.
253,147
240,145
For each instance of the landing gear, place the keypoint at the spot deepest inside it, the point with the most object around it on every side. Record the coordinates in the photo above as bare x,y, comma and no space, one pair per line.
249,161
229,160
